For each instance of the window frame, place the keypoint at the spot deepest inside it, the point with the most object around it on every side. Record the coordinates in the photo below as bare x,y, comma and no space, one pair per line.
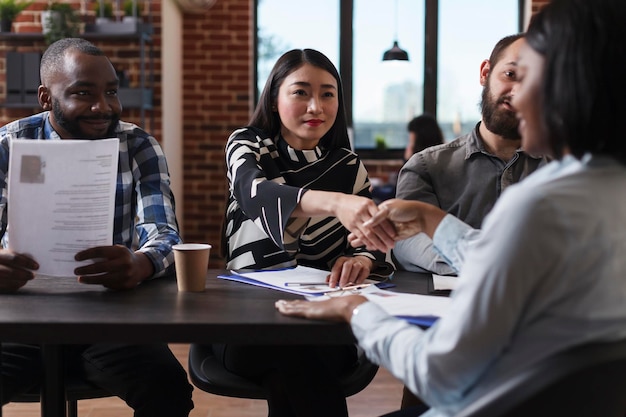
346,60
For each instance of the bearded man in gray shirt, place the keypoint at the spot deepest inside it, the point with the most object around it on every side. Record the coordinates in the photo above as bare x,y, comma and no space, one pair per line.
465,177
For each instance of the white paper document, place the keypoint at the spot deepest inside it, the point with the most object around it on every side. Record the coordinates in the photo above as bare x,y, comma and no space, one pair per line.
423,310
301,280
61,199
408,305
444,282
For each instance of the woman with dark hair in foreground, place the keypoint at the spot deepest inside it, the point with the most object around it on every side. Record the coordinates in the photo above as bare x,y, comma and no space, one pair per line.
546,272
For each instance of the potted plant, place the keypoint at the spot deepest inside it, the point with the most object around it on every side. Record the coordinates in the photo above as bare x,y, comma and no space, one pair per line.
381,143
104,12
59,21
9,9
132,11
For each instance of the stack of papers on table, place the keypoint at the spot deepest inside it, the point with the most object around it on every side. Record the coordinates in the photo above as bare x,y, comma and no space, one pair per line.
302,280
418,309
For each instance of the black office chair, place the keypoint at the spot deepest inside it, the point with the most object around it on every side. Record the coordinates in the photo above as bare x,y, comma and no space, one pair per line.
208,374
587,381
76,389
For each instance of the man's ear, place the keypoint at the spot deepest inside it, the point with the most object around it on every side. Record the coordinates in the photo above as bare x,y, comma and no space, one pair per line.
45,101
485,67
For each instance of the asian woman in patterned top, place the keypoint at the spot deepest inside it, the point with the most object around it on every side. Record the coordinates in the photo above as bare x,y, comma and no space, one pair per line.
296,190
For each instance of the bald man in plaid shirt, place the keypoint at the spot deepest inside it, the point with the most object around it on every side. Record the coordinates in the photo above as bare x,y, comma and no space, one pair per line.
78,94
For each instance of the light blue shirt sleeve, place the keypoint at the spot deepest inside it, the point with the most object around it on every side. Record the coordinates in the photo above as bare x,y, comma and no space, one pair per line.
443,363
403,349
445,256
452,240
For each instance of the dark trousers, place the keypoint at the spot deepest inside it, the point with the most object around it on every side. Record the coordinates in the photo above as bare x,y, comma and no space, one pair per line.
148,377
300,381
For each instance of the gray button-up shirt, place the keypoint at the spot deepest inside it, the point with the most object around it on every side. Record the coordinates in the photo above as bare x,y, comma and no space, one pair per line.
463,179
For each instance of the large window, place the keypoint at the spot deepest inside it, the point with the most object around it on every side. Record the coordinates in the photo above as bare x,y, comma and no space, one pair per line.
468,31
283,25
381,97
386,94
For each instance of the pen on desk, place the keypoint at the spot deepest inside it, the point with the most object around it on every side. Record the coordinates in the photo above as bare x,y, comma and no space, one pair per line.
355,287
303,284
340,290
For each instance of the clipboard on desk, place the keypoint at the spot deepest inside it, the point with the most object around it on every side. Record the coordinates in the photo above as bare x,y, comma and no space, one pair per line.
301,280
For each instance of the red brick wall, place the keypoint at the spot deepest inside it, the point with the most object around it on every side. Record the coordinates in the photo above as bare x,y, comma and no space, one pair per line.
218,55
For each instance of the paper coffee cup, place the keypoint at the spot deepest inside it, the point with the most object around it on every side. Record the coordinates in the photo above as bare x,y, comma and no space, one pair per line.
192,262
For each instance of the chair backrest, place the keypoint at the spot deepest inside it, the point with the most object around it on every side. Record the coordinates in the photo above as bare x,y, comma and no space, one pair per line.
586,381
208,374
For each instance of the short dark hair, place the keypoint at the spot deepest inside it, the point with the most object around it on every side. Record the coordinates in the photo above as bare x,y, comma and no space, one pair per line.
427,132
52,58
584,46
500,47
266,119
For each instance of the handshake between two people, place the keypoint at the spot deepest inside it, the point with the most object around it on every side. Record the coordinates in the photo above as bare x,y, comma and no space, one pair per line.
377,227
395,220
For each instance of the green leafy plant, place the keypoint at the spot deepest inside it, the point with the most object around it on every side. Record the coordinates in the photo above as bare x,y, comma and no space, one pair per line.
128,9
63,22
105,11
9,9
381,143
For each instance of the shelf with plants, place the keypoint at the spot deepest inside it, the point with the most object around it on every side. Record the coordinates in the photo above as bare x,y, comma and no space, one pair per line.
9,9
117,18
137,94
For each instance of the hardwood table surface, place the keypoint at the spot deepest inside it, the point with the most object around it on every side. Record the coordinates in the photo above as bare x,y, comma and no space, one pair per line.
53,310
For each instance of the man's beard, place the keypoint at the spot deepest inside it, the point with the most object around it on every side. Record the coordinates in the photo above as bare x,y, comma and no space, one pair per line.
499,121
73,127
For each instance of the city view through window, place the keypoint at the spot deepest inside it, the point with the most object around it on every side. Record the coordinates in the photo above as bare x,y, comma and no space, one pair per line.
386,95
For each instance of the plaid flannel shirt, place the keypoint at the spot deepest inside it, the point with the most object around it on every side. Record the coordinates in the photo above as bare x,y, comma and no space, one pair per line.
145,217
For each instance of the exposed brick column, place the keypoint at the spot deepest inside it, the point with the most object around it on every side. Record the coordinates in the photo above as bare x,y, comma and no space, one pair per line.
218,54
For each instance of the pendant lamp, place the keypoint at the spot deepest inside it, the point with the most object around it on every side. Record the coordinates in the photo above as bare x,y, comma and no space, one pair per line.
396,53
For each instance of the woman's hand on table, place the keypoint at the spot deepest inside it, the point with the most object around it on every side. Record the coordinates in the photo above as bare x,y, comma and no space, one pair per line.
335,309
349,270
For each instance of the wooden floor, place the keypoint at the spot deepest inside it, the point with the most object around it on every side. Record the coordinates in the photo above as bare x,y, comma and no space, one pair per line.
383,395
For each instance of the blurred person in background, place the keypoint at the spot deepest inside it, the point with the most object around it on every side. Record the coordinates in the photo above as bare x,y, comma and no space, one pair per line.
424,132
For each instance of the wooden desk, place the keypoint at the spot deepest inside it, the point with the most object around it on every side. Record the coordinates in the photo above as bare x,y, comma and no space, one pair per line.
56,311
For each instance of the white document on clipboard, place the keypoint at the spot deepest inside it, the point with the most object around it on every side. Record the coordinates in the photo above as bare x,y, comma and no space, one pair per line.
61,199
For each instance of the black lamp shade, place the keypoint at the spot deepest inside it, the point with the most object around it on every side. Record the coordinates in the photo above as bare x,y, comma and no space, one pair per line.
395,53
